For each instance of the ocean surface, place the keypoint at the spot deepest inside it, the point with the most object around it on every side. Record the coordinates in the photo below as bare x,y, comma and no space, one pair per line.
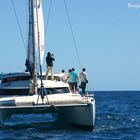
117,118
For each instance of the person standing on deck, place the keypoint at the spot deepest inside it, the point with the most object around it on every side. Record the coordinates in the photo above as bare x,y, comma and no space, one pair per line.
69,80
72,80
49,62
63,75
75,80
84,81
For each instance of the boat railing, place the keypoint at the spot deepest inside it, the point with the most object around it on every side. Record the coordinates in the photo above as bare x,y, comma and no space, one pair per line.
89,94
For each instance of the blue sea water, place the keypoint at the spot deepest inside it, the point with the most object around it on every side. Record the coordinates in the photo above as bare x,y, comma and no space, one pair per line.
117,118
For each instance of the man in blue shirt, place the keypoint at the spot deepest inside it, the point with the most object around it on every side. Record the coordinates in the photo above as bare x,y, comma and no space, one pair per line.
73,77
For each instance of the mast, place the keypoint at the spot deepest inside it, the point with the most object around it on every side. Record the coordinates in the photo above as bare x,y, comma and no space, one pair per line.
35,42
32,7
40,41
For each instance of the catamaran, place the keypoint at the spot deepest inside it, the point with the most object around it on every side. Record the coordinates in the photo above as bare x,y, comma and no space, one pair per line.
27,93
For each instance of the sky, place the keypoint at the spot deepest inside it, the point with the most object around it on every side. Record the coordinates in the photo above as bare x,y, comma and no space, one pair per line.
106,33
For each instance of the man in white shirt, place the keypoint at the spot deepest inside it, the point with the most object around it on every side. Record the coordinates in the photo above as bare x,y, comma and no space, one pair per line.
84,81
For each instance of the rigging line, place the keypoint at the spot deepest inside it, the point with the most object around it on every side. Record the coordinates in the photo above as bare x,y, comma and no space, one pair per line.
26,21
18,24
46,29
72,34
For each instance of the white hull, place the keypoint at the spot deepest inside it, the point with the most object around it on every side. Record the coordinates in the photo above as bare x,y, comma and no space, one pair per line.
81,116
76,110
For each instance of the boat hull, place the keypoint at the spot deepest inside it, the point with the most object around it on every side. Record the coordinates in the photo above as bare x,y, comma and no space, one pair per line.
80,116
79,113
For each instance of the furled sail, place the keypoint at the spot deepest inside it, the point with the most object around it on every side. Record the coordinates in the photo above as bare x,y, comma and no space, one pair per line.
35,35
41,29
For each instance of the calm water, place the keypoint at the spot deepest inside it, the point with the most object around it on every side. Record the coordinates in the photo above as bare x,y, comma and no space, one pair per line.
117,118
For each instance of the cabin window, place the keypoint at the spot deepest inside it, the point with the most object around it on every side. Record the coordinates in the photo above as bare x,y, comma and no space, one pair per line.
57,90
57,78
18,78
